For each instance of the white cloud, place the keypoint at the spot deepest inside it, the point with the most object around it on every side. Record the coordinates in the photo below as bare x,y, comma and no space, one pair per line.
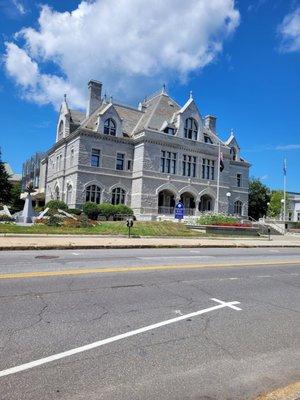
130,45
289,31
264,177
19,6
288,147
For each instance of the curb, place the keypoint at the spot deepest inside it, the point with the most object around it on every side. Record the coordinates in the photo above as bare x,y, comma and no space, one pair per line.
143,246
291,392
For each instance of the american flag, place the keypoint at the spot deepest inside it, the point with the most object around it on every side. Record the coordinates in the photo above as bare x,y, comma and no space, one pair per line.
221,162
284,167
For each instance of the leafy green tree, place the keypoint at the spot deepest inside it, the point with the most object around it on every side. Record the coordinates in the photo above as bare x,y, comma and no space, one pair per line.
91,210
56,204
16,203
276,206
259,197
5,185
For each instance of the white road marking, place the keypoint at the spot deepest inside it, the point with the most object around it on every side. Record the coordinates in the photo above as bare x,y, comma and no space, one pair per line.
263,276
233,279
175,257
178,312
76,254
54,357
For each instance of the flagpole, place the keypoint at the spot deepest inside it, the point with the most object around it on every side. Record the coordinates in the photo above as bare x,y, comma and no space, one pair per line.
218,179
284,190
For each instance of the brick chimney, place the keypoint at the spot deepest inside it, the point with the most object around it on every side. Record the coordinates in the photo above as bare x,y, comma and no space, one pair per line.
94,99
210,122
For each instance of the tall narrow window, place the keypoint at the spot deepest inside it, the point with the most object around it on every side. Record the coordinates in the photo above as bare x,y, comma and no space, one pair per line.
110,127
208,169
120,161
93,193
238,180
191,129
72,157
118,196
95,158
188,165
168,162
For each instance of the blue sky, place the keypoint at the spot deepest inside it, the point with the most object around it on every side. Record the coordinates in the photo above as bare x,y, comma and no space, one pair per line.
241,60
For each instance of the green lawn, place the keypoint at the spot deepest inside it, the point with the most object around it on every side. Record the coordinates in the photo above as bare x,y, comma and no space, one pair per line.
165,228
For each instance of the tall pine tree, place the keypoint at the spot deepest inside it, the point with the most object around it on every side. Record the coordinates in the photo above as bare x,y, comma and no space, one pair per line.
5,184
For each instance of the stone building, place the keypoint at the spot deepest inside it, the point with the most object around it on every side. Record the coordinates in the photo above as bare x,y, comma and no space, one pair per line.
31,174
148,158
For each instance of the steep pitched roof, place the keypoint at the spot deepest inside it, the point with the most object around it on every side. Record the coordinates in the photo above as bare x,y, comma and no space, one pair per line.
158,109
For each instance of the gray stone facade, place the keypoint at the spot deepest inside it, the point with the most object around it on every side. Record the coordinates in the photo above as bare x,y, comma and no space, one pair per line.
165,153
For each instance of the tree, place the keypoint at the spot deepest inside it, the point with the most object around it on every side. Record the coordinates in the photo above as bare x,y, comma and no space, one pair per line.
5,185
16,203
276,206
259,196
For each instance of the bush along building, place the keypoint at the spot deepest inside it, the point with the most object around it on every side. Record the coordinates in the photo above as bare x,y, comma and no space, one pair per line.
148,158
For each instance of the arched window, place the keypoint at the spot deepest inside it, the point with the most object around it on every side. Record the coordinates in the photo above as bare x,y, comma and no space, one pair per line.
57,193
233,153
118,196
110,127
238,207
69,194
60,129
191,129
93,193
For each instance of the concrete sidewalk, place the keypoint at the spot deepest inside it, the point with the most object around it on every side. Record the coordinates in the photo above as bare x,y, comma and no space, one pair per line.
33,242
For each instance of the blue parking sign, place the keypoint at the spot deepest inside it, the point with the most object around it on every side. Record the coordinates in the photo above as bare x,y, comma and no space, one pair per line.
179,211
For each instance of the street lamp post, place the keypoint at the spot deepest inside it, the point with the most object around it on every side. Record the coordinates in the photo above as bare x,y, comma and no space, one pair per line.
228,195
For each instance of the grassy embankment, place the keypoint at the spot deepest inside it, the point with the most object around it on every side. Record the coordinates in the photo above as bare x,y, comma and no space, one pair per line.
165,228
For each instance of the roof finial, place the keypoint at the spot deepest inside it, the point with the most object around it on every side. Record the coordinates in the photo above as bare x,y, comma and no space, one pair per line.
105,97
191,94
164,89
232,131
110,99
65,97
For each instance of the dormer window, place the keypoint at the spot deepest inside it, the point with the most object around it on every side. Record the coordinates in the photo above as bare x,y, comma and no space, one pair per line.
110,127
233,153
169,131
191,129
207,139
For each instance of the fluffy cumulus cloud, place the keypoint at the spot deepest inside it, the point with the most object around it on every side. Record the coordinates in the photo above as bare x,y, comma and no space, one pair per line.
130,45
289,31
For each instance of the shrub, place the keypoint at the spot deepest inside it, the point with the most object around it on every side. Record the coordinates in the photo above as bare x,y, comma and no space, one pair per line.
75,211
5,218
217,219
91,210
122,209
53,220
56,204
107,210
81,222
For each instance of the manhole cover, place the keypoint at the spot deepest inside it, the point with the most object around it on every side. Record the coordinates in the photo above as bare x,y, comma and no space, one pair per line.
45,257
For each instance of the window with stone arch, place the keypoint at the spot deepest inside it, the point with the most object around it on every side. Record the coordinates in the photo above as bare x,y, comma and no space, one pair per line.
110,127
238,207
191,129
60,129
69,194
93,194
118,196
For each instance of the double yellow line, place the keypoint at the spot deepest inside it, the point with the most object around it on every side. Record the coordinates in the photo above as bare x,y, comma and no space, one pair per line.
143,268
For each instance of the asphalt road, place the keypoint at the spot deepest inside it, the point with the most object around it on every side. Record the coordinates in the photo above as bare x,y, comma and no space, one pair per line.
219,352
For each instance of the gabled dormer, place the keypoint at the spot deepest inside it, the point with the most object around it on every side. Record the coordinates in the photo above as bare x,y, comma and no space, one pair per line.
232,143
189,121
109,121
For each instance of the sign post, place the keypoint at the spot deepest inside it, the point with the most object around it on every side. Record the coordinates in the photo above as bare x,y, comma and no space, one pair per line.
179,211
129,224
